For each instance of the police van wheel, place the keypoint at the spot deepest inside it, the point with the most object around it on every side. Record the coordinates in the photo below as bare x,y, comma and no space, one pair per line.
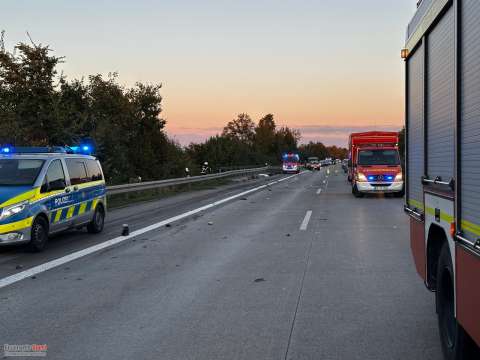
98,221
456,344
39,235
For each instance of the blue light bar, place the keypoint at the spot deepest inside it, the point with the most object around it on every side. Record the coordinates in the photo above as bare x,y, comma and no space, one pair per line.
389,177
371,178
85,149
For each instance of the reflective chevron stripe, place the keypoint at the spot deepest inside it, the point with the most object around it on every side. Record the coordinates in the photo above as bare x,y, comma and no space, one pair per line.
73,211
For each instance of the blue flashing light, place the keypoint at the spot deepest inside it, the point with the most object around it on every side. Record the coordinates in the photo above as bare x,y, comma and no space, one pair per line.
84,149
389,178
6,150
371,178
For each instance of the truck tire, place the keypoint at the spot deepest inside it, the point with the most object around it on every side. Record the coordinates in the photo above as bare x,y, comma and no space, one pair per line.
98,221
39,236
400,194
355,192
456,344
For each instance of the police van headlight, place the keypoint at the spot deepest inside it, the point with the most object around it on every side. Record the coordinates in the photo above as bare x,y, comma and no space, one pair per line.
13,209
399,177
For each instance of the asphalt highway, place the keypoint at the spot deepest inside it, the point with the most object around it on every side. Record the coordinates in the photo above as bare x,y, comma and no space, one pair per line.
297,270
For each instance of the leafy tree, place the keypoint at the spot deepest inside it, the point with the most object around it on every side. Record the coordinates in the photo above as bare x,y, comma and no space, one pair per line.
316,149
265,135
286,140
27,94
242,128
337,152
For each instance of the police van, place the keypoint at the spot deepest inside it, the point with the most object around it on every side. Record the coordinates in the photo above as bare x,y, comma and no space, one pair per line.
48,190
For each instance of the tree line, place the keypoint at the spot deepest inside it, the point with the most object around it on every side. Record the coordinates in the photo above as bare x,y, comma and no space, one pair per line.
40,107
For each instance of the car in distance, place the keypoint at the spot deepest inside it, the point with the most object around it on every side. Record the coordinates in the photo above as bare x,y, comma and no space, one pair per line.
313,163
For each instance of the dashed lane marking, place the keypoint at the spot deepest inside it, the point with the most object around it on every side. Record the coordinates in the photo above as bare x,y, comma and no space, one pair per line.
306,220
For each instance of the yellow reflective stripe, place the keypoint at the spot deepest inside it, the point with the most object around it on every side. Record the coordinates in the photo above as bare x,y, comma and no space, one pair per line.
83,206
58,215
471,227
71,209
446,217
94,204
19,198
90,184
443,216
40,196
18,225
417,204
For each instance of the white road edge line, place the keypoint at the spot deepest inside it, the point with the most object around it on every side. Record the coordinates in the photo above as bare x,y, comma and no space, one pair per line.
306,220
12,279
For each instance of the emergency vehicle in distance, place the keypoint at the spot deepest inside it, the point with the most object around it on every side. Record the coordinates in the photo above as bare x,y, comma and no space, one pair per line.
313,163
374,164
290,163
442,56
48,190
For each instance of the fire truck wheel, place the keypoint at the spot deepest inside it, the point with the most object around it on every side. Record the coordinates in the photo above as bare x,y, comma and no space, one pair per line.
456,344
355,192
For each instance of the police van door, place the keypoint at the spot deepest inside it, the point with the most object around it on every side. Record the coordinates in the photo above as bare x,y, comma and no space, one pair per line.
82,212
59,198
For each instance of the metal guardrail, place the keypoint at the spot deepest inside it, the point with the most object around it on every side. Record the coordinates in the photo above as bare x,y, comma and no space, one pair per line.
126,188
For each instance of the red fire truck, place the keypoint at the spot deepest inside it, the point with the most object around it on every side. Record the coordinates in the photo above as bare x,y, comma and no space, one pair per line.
442,56
374,163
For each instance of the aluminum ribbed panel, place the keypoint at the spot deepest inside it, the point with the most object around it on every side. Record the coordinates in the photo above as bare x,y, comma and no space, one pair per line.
416,151
470,111
441,99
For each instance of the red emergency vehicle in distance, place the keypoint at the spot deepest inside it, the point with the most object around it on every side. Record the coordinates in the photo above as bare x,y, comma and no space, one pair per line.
290,163
374,163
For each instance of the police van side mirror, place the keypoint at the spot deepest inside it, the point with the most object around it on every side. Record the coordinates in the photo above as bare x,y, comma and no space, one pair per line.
53,186
57,185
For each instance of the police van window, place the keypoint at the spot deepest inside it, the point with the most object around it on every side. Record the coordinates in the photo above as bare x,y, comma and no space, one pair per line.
19,172
77,171
55,178
94,172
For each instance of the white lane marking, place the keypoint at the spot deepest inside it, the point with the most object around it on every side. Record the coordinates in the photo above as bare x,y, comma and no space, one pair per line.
9,280
306,220
319,191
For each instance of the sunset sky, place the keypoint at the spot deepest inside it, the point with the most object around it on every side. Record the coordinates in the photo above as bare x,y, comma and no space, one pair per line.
324,67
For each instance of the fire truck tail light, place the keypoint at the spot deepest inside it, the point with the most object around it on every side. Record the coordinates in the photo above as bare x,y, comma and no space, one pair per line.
453,229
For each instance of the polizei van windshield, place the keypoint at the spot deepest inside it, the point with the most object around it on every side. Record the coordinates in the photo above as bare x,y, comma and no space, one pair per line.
19,172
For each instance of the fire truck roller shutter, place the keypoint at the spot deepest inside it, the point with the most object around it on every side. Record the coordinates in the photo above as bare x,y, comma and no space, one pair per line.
440,102
470,121
468,262
415,133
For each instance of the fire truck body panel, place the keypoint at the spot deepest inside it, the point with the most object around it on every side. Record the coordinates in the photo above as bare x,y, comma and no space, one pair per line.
443,148
468,289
